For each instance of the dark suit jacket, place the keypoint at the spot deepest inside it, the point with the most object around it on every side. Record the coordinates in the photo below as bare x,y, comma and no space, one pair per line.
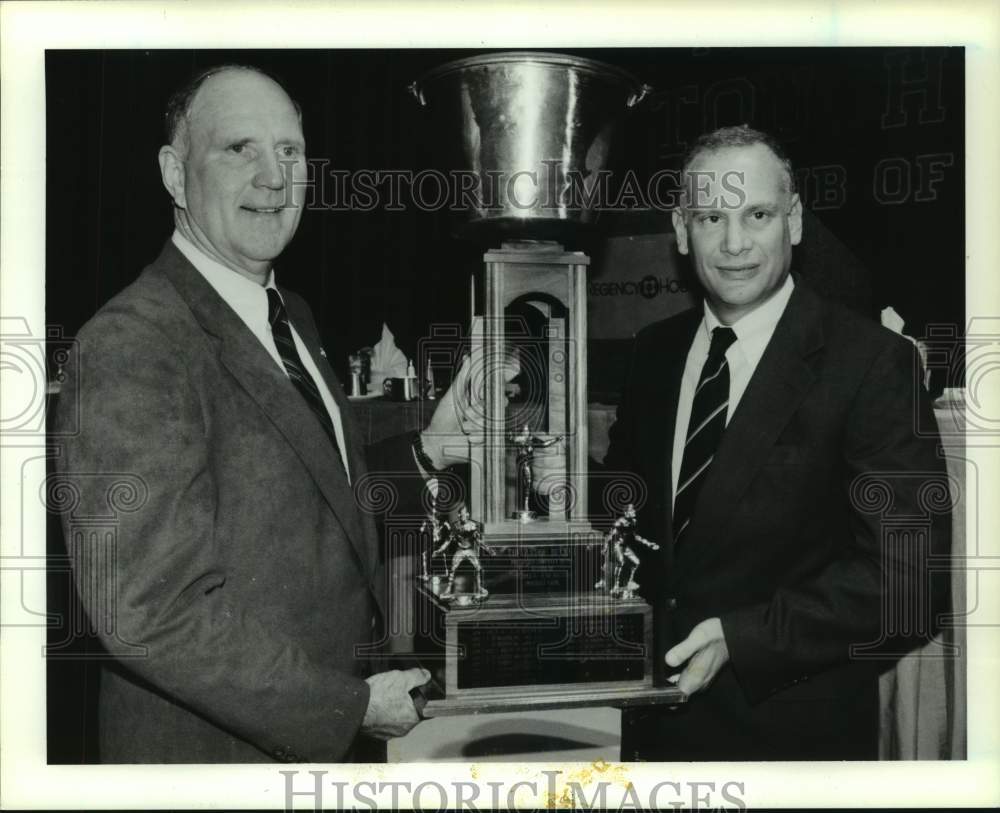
794,536
242,576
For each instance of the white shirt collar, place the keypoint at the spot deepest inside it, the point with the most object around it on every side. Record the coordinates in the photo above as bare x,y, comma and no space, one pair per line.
754,330
243,295
249,300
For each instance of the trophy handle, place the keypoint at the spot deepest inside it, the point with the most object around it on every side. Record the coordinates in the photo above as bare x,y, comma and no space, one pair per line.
637,97
417,93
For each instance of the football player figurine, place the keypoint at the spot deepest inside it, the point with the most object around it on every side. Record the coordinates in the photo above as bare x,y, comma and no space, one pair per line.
467,537
621,563
440,532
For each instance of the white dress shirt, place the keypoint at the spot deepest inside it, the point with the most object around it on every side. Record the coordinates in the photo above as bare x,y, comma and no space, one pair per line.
753,332
249,301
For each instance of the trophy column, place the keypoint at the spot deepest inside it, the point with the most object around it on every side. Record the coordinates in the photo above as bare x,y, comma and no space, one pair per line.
548,416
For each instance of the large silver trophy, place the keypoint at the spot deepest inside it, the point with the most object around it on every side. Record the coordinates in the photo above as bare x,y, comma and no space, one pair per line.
537,624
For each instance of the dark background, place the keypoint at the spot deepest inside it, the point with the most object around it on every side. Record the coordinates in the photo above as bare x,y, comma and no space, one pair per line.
839,111
108,214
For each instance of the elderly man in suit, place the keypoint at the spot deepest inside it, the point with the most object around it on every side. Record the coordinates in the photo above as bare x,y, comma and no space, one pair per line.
756,423
247,585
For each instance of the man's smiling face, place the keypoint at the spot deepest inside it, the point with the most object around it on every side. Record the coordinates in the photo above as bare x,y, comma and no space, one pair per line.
232,174
740,226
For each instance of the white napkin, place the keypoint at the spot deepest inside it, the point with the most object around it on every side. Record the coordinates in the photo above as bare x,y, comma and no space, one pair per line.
894,322
388,361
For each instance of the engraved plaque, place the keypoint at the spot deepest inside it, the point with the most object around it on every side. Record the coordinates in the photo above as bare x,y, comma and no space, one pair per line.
537,651
544,651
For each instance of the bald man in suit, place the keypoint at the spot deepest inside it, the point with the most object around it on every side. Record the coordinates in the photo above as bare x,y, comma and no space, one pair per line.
242,596
770,587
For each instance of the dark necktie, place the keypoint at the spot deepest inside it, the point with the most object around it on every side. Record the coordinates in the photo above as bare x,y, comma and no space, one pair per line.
708,421
303,382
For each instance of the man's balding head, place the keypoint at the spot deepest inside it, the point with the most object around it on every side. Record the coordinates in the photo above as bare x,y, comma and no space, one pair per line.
235,167
739,219
178,110
742,135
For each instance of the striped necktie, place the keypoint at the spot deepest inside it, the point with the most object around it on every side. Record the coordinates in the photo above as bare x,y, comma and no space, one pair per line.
282,332
705,428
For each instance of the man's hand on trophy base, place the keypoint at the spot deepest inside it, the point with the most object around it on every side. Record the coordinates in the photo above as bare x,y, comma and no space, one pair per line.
706,653
390,711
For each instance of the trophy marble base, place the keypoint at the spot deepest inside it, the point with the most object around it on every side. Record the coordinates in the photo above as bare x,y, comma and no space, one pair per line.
520,652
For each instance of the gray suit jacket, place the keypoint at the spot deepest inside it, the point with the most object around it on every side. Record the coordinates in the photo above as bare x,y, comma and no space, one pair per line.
241,590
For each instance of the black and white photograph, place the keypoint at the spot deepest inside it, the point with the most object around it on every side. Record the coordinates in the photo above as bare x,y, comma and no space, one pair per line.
502,418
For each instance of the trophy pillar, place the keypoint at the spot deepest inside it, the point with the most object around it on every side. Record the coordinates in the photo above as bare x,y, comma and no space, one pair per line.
552,409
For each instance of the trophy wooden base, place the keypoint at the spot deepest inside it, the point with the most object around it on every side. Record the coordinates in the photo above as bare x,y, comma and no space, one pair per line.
521,652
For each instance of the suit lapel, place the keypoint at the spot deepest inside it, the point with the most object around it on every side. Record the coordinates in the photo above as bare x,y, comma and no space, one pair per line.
774,393
671,382
354,448
254,368
655,397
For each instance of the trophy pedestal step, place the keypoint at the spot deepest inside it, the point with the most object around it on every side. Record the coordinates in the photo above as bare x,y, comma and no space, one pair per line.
530,651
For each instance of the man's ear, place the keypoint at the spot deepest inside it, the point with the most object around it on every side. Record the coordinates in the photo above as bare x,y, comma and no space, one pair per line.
680,228
795,220
172,173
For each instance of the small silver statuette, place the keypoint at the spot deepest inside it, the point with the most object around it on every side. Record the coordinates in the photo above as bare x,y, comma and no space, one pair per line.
621,562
